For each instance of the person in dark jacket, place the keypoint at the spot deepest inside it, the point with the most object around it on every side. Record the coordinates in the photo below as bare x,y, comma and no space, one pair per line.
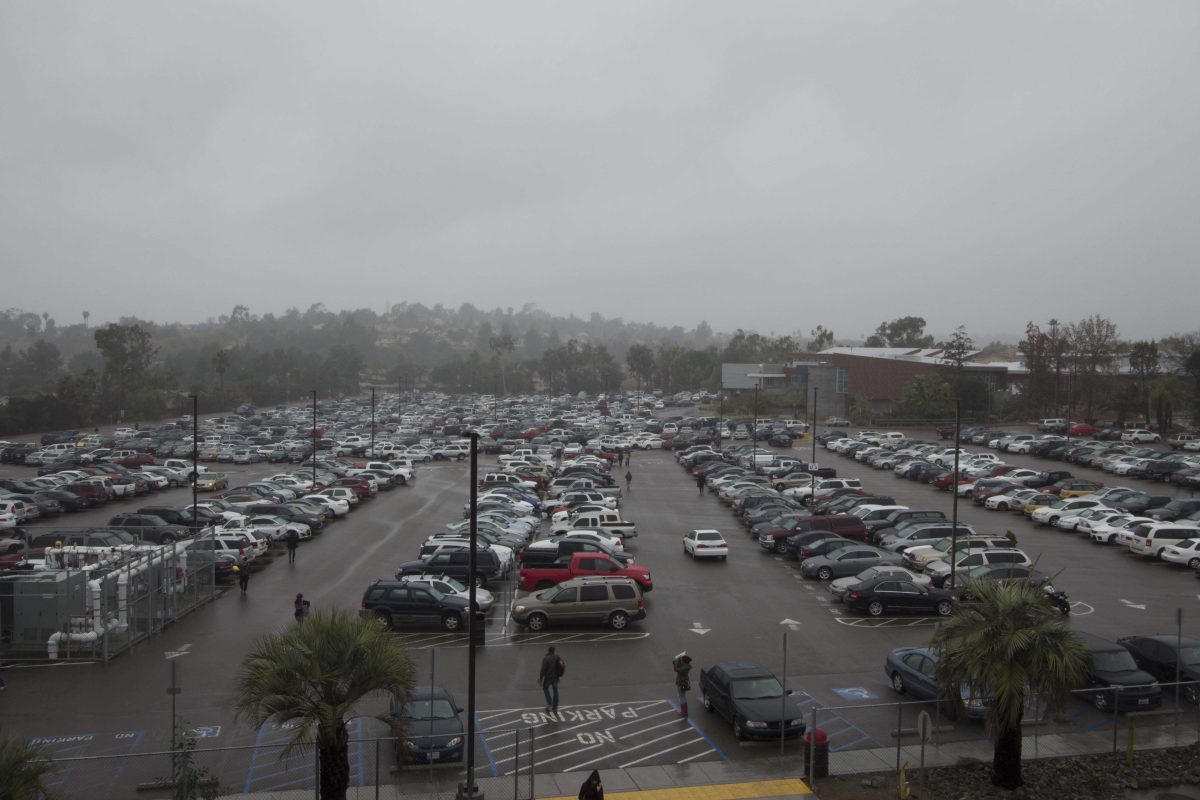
683,679
700,483
592,789
548,675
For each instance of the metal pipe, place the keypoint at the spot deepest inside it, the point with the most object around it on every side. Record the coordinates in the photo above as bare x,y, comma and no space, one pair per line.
813,433
314,442
954,485
372,424
472,565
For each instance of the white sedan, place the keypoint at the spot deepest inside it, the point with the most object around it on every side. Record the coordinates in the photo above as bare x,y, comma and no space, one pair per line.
1186,552
277,528
340,508
705,543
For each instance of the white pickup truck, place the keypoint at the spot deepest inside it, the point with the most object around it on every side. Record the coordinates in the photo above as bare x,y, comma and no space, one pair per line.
609,522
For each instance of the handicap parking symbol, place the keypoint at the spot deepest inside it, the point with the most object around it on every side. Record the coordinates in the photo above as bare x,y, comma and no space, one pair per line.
205,731
855,693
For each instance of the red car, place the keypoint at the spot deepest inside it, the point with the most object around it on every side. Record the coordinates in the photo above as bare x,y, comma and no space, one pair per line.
1083,429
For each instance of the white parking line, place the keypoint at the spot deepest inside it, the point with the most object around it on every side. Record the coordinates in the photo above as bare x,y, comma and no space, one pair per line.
669,749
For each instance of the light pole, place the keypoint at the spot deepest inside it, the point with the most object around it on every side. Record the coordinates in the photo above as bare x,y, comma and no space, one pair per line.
954,484
720,414
758,376
812,468
195,454
314,442
372,423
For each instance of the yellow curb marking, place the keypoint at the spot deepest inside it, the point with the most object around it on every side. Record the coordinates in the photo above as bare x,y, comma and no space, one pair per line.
724,791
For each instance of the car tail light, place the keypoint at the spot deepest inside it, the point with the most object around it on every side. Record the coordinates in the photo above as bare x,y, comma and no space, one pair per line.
853,596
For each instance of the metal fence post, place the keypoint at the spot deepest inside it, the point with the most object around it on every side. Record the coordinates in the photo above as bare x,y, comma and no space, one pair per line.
899,726
532,762
517,764
316,774
376,768
812,752
1116,691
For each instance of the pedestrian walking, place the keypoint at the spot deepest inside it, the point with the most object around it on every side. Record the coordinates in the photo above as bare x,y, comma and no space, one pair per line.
628,480
301,607
592,789
628,454
552,670
700,483
243,577
682,664
293,541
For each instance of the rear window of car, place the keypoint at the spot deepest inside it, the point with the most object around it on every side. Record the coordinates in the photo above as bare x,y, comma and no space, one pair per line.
624,592
1006,558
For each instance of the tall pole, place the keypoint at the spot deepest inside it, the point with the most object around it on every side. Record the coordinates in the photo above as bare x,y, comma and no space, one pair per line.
954,484
314,442
468,790
372,422
754,432
195,453
813,433
720,414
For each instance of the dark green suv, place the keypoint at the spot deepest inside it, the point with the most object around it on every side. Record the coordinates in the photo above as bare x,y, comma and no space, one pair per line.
396,604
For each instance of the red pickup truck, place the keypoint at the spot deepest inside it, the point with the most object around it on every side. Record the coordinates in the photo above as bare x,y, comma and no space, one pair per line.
579,564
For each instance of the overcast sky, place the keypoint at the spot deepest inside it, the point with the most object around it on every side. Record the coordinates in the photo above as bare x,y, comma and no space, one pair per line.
759,165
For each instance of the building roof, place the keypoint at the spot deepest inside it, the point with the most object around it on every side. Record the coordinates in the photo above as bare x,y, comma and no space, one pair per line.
916,355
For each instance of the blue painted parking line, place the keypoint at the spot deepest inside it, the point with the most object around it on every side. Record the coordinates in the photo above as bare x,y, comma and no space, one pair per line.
87,744
840,738
269,772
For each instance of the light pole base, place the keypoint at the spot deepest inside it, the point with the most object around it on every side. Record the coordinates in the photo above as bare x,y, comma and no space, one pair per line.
468,793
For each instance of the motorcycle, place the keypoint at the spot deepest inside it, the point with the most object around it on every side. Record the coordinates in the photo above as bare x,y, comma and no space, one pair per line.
1059,599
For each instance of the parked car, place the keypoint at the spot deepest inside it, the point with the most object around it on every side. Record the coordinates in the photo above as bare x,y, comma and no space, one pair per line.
1162,656
751,699
839,586
1115,681
432,722
846,561
592,599
884,594
395,604
913,671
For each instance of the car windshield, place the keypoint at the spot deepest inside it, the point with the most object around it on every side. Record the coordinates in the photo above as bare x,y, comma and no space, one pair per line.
548,594
455,585
428,709
757,689
1113,661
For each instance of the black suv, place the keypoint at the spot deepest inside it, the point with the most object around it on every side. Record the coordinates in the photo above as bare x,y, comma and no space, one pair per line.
397,604
150,528
173,516
453,560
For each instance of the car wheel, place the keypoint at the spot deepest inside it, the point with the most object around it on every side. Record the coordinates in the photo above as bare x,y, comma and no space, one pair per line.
781,547
619,621
166,539
824,574
898,683
452,622
1100,700
875,608
706,701
461,456
536,622
479,581
1191,693
779,487
944,608
383,619
1002,506
739,732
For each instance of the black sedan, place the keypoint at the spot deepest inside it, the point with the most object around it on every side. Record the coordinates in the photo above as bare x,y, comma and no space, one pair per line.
884,595
433,727
1159,656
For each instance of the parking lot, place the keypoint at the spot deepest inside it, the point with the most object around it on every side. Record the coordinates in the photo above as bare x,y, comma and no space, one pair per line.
618,700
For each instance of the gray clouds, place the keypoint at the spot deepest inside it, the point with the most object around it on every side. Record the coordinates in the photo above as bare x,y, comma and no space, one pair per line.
970,163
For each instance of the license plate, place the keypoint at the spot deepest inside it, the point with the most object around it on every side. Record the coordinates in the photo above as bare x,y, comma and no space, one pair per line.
434,755
1144,701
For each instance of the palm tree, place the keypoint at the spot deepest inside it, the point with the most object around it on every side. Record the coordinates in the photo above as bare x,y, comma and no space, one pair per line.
1008,643
313,675
23,771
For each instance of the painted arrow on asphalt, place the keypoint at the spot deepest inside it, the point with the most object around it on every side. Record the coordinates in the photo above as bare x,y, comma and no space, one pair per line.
791,623
697,628
1141,607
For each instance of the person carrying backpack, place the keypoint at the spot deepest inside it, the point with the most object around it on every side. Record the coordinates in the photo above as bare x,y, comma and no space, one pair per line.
552,669
628,480
301,608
